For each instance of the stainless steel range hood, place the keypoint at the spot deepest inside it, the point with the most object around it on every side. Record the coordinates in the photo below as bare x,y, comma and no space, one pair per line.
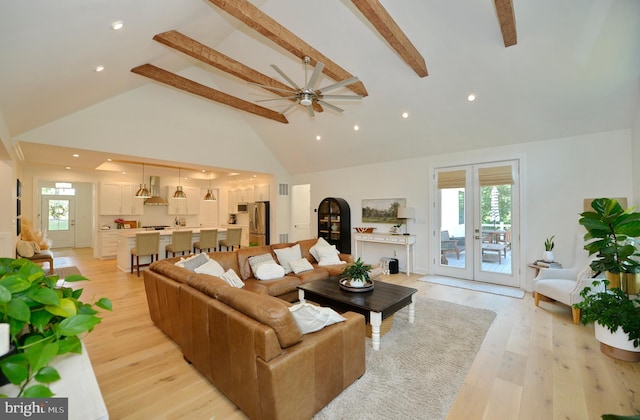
155,199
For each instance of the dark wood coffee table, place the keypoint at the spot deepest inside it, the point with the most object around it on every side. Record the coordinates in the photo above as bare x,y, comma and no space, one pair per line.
384,300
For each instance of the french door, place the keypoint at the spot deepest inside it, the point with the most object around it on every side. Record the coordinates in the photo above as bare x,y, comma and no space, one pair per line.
477,222
58,219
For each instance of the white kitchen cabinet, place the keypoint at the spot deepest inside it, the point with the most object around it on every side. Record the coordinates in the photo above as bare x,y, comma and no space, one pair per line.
233,201
119,200
190,205
108,243
261,192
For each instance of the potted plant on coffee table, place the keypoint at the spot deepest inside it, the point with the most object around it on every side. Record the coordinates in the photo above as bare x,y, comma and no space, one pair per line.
357,275
609,307
45,320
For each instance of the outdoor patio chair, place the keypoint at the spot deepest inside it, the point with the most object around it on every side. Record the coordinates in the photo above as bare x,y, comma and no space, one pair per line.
449,244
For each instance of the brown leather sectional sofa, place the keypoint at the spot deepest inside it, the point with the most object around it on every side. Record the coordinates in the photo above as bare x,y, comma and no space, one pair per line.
246,342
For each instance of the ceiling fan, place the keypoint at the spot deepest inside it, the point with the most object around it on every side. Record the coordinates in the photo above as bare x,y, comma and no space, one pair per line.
308,96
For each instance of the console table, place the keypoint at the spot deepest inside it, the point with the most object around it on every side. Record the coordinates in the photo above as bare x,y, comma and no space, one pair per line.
390,239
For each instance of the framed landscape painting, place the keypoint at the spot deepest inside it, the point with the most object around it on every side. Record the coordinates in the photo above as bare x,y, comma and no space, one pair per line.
382,210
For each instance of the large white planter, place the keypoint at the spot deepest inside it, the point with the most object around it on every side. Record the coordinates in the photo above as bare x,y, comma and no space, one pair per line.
617,344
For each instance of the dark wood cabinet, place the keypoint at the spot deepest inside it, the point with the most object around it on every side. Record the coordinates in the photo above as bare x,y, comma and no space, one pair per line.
334,223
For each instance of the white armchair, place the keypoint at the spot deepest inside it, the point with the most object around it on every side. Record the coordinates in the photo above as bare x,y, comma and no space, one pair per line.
565,284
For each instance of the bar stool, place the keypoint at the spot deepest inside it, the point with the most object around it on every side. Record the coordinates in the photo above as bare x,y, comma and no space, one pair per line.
233,239
180,242
146,244
208,240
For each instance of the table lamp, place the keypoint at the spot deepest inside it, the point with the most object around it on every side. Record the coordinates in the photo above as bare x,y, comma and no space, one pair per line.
405,213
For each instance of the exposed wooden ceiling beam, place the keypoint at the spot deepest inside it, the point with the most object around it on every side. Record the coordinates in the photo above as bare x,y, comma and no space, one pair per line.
179,82
389,29
207,55
507,19
253,17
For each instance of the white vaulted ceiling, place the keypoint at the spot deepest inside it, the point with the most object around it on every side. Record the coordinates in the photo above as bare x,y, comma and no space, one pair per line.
574,70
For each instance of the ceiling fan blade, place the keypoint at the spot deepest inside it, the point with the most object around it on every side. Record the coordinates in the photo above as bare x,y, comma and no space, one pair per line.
337,85
328,105
281,73
289,107
341,96
310,111
317,71
277,99
272,88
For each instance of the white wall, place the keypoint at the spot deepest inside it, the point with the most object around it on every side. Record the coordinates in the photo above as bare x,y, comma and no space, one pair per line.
556,175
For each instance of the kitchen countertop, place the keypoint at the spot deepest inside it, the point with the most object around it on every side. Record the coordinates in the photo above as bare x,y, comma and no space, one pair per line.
130,233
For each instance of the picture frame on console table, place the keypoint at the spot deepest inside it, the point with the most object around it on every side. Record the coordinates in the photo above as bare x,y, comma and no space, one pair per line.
382,210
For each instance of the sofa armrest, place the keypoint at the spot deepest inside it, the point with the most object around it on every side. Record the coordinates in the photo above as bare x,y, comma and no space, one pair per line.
348,258
321,367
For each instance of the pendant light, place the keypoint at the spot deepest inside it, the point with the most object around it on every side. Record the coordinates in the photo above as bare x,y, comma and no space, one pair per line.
209,196
179,194
143,192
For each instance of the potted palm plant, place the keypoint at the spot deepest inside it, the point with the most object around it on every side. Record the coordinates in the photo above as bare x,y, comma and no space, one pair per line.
616,317
357,274
44,320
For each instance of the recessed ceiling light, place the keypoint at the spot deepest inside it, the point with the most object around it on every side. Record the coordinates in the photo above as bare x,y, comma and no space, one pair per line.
356,127
123,172
318,138
405,115
471,97
109,160
67,167
75,155
98,69
117,25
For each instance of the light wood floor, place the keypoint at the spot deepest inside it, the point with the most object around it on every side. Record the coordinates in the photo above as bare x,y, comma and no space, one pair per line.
533,364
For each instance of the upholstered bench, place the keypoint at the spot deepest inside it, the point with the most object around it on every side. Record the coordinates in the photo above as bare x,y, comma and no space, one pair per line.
42,257
31,251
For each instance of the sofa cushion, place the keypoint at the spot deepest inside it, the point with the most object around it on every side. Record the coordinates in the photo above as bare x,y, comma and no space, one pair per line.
318,273
232,278
269,271
266,309
312,318
227,260
288,255
211,267
243,255
279,286
300,266
193,262
321,242
328,255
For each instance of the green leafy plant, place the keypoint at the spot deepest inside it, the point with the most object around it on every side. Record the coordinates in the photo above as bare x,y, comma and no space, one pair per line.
44,321
549,244
611,308
608,228
357,271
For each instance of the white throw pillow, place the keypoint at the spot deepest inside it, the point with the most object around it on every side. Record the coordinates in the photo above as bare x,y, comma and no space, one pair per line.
314,249
269,271
193,262
211,267
232,278
287,256
328,256
257,260
311,318
301,265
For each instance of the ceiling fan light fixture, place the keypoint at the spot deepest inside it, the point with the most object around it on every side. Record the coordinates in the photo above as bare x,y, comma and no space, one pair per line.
306,100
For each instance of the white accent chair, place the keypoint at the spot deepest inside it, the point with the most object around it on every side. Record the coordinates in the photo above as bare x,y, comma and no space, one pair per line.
565,284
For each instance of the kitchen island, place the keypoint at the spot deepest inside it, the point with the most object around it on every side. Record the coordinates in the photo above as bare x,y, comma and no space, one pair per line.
127,240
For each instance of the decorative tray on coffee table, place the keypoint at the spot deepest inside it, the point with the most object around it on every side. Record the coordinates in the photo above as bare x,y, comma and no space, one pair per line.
344,285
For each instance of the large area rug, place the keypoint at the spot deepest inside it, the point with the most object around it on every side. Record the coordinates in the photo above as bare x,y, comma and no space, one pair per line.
419,368
475,285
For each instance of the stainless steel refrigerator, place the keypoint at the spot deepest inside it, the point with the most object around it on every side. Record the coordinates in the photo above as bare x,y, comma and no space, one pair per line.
259,223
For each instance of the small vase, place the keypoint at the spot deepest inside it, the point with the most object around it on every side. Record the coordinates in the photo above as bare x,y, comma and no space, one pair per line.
357,283
547,256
